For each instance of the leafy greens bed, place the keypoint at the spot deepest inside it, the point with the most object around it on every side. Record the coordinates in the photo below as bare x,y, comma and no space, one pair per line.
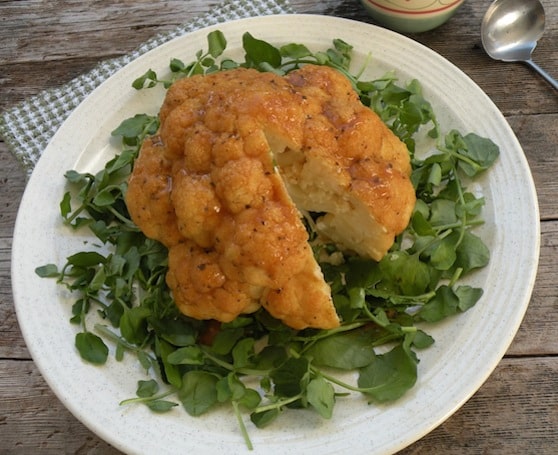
255,363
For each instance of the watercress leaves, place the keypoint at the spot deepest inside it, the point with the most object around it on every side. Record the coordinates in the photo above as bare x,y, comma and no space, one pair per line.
91,348
198,392
389,376
448,302
321,395
259,53
347,351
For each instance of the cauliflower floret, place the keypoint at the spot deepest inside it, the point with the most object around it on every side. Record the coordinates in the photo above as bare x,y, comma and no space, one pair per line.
149,194
242,184
197,207
217,186
195,274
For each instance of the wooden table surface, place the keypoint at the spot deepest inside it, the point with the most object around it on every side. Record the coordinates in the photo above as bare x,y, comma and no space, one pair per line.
46,43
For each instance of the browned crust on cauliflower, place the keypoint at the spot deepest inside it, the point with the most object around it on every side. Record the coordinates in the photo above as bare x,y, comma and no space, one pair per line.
217,185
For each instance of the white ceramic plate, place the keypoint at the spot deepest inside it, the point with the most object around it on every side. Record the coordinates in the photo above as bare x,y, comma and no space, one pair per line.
467,347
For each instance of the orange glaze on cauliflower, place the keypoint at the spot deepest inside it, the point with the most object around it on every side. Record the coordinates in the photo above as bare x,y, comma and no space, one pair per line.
216,185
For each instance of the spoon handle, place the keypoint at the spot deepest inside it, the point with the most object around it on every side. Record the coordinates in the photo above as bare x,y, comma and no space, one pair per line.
543,73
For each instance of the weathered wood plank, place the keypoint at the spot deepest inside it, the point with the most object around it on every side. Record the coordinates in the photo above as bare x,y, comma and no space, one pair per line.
536,133
39,31
33,420
538,334
513,412
11,190
36,55
12,184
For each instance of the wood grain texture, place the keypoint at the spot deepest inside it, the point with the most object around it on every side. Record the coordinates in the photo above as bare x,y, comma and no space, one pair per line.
538,135
32,419
46,43
538,334
513,413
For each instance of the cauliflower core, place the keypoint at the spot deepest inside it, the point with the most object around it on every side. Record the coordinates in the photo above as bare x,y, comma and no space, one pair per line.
236,153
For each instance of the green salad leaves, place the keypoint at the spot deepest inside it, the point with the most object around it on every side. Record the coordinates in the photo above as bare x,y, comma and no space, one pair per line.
257,365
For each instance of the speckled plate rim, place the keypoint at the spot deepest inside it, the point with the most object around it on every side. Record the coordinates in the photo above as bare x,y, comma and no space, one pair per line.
467,348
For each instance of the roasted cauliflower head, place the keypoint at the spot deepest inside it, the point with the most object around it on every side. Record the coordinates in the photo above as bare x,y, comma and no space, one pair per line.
238,156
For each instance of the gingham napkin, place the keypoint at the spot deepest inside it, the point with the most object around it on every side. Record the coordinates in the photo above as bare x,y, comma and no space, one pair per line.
28,127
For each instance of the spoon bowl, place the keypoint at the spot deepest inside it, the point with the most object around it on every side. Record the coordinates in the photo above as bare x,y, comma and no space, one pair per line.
510,30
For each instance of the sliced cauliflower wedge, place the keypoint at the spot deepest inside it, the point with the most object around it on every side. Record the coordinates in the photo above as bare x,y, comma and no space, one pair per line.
239,154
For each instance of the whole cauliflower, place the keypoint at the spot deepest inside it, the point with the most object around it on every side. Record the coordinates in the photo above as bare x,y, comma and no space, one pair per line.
237,155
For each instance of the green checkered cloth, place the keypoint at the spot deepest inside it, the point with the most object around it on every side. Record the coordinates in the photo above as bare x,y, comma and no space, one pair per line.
28,127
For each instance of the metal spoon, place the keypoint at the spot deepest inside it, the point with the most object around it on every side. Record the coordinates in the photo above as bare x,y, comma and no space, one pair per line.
510,30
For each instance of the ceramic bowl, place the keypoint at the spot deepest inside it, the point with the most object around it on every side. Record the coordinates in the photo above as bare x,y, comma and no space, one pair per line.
411,16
